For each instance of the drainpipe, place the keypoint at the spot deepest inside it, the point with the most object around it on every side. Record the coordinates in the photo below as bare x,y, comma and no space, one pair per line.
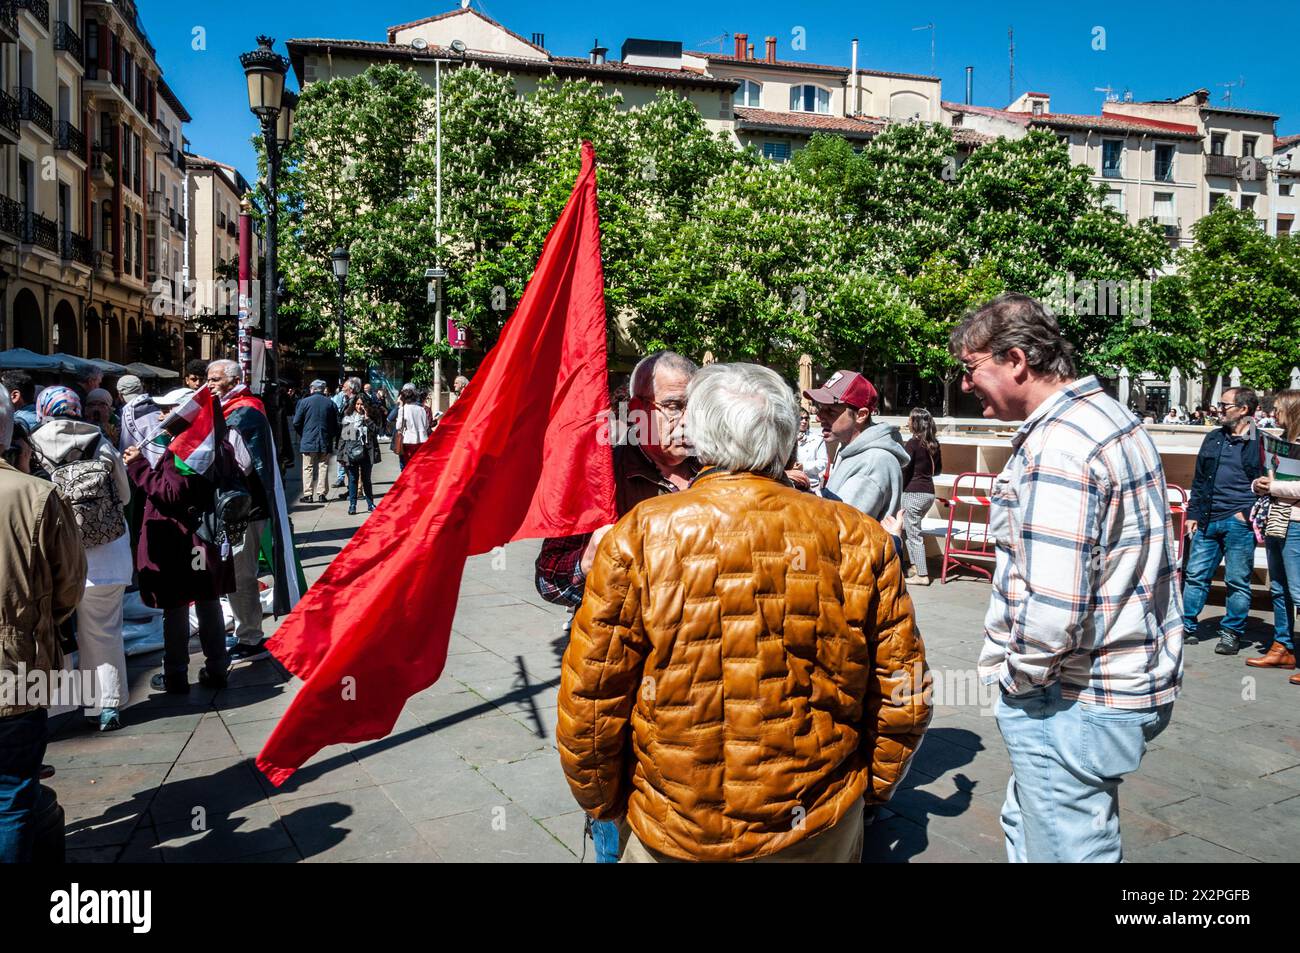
970,79
853,85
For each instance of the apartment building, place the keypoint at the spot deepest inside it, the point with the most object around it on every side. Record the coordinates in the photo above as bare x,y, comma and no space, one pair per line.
86,131
646,67
1285,182
215,193
166,218
1150,168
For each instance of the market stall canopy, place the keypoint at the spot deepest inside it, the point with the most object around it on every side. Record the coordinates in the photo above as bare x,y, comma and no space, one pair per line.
71,364
149,372
21,359
109,367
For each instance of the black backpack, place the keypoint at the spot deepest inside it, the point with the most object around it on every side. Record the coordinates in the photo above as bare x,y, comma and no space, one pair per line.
227,519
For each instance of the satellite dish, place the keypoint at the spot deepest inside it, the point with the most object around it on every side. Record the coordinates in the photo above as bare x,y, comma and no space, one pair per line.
420,43
464,4
458,46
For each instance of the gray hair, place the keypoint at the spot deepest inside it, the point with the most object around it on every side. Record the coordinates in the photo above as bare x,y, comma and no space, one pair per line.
355,384
6,420
1016,321
742,417
644,372
229,370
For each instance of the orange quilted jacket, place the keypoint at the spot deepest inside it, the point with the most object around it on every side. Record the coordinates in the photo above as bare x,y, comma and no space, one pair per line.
743,668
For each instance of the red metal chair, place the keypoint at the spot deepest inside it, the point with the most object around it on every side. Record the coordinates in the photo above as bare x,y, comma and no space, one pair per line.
1178,516
967,538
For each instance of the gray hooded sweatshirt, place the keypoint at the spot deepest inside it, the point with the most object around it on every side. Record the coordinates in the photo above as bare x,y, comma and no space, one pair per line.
868,473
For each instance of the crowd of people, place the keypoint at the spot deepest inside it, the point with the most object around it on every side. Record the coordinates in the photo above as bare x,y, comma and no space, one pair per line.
744,679
94,504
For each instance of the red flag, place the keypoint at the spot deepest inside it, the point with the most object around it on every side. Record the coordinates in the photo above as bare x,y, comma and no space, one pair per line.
196,430
518,456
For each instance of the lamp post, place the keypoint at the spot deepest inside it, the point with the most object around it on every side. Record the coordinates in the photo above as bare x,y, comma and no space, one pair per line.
264,70
340,258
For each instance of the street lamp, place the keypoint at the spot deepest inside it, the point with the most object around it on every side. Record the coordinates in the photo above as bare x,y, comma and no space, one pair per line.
340,258
264,69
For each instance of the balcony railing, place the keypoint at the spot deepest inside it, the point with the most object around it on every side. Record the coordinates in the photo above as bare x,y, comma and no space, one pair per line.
1165,174
78,248
70,138
232,228
221,220
41,231
40,9
11,216
1220,165
34,109
178,223
67,39
1112,172
158,204
9,19
9,113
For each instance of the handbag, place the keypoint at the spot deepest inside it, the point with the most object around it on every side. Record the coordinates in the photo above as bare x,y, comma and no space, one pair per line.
397,429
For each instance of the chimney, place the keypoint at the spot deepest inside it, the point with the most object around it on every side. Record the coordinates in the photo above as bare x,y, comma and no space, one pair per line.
539,39
741,39
597,54
970,81
749,55
771,49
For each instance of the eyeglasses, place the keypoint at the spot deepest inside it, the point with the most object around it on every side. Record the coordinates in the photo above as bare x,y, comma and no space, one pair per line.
671,409
1222,406
969,369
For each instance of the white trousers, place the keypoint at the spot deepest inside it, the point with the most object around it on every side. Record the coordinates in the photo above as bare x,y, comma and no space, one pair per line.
99,646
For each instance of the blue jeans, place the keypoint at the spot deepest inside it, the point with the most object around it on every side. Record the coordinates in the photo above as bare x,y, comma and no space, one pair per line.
360,474
22,746
1284,582
1068,759
604,834
1234,539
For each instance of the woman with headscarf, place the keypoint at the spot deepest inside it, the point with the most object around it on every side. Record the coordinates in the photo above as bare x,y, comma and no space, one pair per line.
88,470
99,411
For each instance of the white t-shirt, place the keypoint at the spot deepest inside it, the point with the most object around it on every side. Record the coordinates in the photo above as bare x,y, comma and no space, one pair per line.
414,423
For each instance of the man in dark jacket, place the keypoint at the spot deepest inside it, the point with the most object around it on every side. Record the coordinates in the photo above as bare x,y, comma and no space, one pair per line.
316,422
1218,516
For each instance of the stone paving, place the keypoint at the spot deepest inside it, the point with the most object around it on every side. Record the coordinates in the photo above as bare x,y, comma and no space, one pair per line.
470,772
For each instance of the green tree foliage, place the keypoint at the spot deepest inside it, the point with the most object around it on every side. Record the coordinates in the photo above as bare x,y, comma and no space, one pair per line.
860,257
1243,288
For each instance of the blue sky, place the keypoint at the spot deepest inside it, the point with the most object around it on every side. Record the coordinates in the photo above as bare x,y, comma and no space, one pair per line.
1152,53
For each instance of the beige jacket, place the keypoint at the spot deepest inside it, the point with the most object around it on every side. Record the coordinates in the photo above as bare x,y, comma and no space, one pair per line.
1287,491
43,568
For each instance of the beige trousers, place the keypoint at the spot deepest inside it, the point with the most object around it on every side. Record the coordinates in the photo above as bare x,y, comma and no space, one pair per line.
841,844
316,474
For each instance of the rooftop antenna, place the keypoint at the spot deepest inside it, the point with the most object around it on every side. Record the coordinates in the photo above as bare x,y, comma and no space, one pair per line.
721,39
1111,95
1011,85
930,27
1228,87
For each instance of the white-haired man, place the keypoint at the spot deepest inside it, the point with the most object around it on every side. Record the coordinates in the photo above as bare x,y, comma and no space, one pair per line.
246,414
744,667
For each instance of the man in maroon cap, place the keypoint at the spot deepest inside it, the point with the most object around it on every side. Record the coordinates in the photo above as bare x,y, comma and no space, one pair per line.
868,470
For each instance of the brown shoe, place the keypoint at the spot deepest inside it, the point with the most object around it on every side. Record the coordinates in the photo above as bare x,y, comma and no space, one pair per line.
1277,656
1294,679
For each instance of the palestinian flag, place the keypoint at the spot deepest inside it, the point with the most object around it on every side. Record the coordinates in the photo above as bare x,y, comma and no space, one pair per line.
197,428
1282,458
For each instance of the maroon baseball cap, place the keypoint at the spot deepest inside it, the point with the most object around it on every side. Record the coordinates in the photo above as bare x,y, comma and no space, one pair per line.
846,387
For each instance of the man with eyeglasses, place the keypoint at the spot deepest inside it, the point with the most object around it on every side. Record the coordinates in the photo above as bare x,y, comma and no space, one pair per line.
1083,634
868,469
1218,512
654,459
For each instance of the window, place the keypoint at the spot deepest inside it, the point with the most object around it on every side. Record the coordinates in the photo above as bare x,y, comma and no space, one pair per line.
1164,205
1284,223
1247,202
776,151
1218,142
1064,141
106,226
1114,200
1248,145
1216,198
1284,188
1112,158
1038,107
92,49
810,99
747,94
1164,163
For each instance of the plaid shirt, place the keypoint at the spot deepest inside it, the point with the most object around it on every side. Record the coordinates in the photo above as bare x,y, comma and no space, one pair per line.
560,578
1085,591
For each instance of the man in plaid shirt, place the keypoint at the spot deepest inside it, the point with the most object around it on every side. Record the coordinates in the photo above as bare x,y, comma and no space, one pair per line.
1084,631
